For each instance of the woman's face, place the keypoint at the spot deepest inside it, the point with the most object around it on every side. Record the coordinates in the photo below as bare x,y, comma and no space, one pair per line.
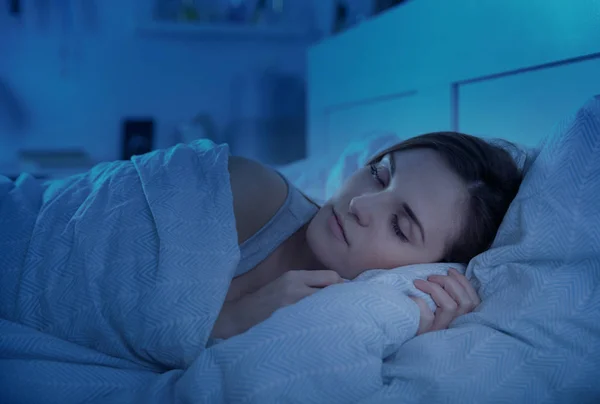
404,210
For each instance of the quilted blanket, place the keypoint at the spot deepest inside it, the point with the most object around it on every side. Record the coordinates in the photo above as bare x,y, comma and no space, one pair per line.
111,281
132,259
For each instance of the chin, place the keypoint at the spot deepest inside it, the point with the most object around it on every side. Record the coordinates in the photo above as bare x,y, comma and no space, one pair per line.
332,258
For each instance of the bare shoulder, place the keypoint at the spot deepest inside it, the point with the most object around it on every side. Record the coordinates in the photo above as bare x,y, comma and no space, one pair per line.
258,193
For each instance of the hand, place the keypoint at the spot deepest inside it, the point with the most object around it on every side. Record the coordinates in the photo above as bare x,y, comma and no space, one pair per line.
453,295
239,315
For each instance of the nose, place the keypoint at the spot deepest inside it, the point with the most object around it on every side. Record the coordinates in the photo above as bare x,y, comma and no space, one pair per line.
362,208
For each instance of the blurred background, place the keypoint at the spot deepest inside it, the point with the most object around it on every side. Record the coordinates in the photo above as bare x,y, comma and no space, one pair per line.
84,81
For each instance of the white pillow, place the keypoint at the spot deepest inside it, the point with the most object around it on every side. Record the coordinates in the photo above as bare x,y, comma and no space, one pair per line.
535,337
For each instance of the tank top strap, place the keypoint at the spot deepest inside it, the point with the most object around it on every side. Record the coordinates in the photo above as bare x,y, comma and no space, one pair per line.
295,212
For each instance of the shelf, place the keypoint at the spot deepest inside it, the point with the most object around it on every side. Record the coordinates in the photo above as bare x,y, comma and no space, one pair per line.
222,31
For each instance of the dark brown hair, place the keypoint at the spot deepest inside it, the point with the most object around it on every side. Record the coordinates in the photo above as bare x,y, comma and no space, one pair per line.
492,179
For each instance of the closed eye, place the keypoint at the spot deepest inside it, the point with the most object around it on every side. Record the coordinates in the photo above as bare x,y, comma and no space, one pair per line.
397,229
375,174
413,218
395,221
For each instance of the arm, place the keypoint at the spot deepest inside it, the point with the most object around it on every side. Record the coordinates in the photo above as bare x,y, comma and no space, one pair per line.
301,351
328,347
332,346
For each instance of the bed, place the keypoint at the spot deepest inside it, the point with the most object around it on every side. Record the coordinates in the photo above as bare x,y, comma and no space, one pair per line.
108,293
535,337
115,334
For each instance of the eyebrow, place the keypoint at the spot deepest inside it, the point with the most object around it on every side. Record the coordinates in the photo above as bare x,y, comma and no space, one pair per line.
407,209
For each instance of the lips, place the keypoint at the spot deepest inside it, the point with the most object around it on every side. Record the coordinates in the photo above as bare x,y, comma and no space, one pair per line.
340,223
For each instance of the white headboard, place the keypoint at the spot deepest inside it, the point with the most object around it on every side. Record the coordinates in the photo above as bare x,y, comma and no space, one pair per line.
506,69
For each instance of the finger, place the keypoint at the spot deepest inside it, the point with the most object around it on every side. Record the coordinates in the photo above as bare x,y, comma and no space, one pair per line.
320,278
442,320
456,291
426,316
441,298
423,306
307,291
466,284
447,307
299,293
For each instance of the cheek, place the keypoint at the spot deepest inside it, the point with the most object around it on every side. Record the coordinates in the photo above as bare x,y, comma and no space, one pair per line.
387,253
318,238
383,255
328,251
375,253
312,231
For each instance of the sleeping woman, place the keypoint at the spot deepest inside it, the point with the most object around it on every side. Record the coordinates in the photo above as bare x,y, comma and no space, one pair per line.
128,274
438,197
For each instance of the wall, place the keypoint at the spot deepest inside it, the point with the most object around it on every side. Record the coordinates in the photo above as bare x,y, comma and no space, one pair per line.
74,88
